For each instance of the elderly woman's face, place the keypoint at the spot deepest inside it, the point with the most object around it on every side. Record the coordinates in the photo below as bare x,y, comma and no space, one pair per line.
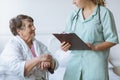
28,31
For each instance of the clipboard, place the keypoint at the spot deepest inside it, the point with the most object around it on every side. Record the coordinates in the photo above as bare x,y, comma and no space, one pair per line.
73,39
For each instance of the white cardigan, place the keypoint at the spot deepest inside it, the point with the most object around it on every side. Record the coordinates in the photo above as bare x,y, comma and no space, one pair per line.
14,56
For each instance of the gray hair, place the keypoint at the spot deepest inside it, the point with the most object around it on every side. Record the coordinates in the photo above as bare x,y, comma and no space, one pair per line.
17,23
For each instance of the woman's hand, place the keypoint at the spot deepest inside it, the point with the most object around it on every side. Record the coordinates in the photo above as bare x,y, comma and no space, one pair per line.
46,61
37,61
45,65
50,66
45,58
65,46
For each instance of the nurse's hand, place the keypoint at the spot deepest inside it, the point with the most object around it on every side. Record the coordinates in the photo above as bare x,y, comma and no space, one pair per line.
65,46
101,46
92,47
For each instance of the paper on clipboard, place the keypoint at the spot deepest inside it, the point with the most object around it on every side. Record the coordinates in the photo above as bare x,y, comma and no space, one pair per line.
73,39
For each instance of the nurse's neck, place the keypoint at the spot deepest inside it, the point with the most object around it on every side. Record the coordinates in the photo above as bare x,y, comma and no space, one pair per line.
88,9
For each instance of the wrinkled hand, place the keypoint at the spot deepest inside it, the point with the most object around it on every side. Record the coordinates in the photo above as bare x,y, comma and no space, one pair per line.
45,58
65,46
47,62
45,65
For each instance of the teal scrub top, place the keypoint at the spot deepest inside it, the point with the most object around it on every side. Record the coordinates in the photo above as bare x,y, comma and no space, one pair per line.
89,64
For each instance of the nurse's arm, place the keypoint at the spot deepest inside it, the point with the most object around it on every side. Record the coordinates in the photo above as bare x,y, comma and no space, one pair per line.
102,46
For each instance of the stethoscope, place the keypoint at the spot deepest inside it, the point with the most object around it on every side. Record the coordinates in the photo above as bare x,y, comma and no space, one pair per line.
75,19
74,22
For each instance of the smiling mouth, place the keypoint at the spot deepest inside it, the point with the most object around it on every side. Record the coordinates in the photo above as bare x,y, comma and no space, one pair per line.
32,33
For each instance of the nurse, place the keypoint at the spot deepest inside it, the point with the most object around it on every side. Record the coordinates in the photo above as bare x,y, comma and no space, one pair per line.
24,57
95,25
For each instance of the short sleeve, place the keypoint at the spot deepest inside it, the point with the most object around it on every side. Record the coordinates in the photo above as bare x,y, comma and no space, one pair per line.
109,28
68,24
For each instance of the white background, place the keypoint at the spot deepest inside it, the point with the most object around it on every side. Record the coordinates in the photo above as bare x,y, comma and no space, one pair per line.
49,17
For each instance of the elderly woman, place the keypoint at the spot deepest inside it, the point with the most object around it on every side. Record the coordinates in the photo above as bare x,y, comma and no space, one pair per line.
24,57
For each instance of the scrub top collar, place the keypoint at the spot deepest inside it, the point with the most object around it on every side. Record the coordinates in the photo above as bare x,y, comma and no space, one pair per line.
90,17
